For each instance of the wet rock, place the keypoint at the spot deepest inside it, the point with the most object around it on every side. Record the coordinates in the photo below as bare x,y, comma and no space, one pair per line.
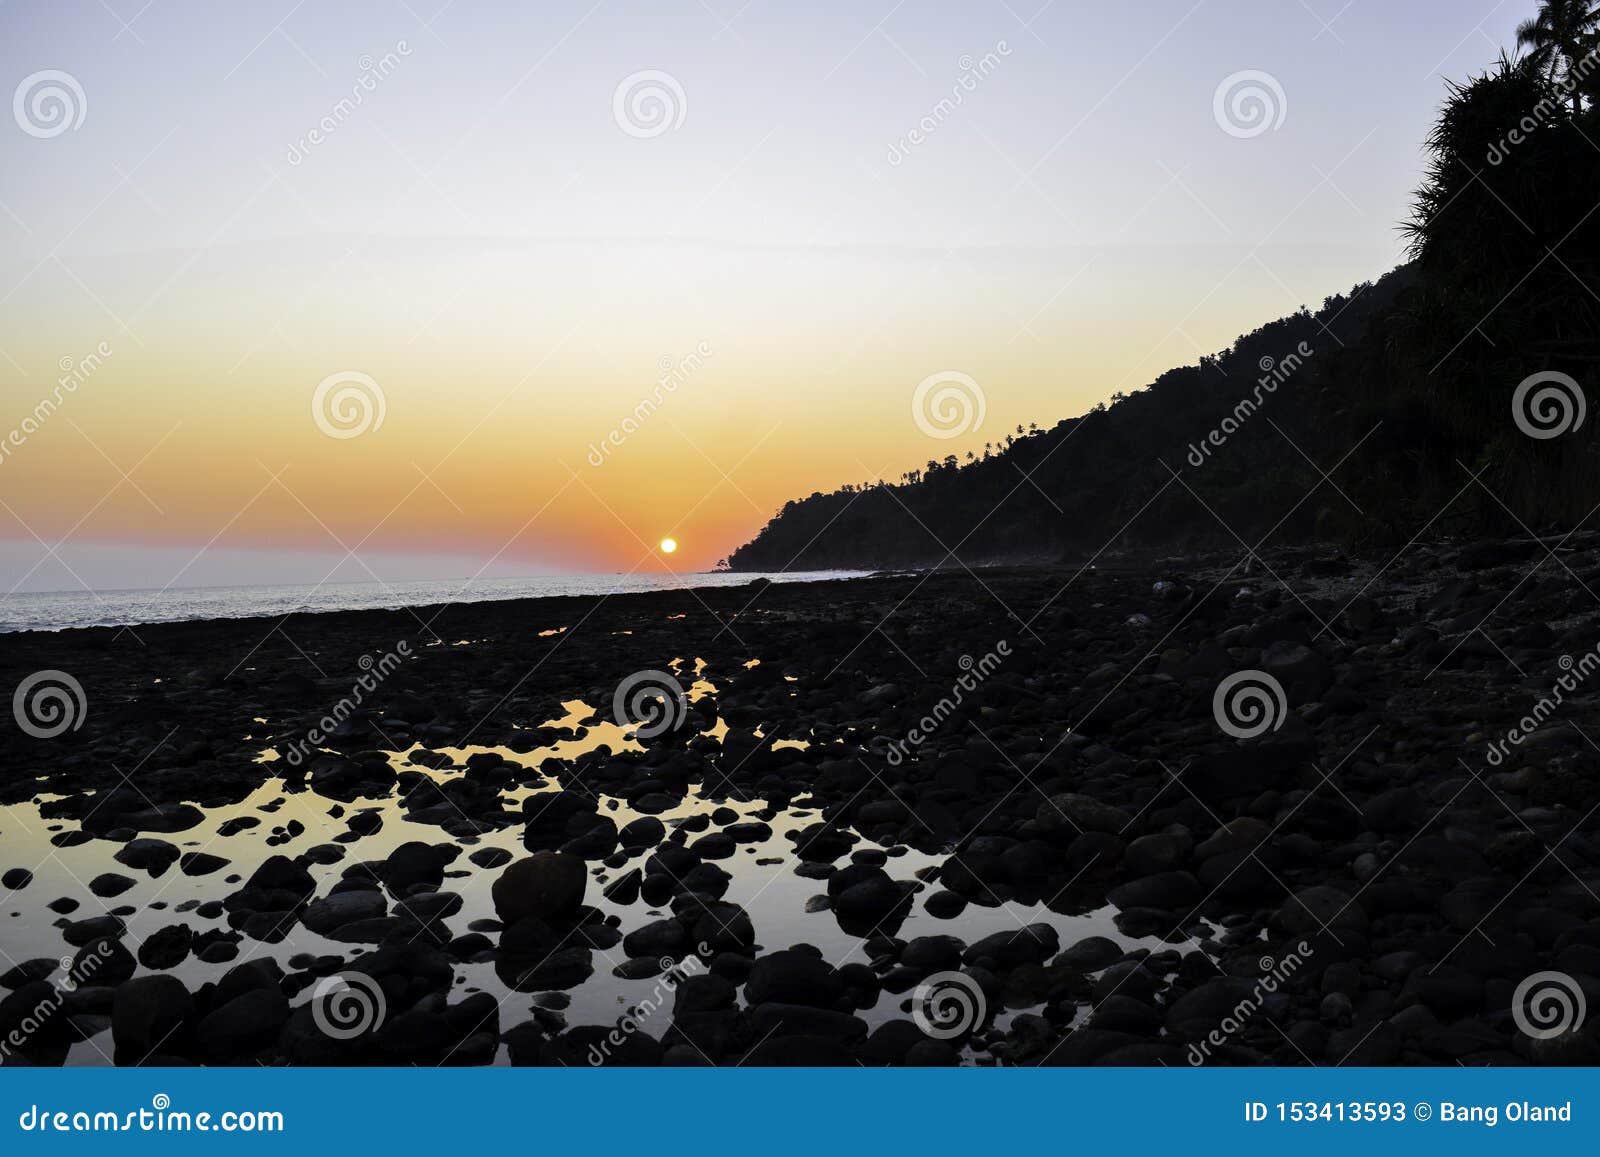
600,1046
644,832
342,908
1030,945
147,1014
806,1020
945,905
659,938
1399,810
200,864
243,1026
625,888
798,1051
546,885
79,933
28,971
1167,891
1303,673
147,854
490,857
109,884
1153,854
702,993
166,947
932,953
793,977
1092,953
890,1043
414,863
1312,909
1072,813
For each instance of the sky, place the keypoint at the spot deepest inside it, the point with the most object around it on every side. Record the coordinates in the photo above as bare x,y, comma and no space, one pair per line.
433,288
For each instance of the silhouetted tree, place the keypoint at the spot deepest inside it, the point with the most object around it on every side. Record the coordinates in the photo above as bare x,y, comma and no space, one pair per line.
1558,38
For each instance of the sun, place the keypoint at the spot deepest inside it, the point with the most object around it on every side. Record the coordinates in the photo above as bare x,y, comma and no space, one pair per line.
668,545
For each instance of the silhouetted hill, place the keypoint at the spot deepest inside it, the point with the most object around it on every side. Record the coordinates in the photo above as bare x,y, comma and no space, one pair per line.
1385,414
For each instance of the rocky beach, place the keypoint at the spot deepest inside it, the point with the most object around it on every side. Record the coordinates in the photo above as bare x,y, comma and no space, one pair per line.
1296,808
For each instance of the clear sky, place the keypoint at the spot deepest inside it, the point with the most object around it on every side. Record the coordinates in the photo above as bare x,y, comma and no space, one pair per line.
808,210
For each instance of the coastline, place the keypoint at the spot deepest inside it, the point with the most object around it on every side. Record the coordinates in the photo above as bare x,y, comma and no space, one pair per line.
1023,774
249,598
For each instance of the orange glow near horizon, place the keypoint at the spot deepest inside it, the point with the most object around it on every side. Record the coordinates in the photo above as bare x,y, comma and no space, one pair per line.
498,328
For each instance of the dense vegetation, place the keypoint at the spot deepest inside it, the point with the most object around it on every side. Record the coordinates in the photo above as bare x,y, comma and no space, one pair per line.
1404,399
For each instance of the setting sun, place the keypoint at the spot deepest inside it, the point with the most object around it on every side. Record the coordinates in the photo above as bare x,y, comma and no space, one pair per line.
668,545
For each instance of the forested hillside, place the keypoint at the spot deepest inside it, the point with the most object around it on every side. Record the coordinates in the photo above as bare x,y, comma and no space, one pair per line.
1447,397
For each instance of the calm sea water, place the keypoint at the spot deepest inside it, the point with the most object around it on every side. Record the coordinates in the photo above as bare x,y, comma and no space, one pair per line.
58,610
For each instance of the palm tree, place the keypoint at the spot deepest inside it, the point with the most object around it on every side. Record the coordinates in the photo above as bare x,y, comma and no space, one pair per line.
1558,38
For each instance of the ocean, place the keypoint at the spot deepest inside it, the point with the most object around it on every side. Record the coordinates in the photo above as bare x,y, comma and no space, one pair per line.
61,610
